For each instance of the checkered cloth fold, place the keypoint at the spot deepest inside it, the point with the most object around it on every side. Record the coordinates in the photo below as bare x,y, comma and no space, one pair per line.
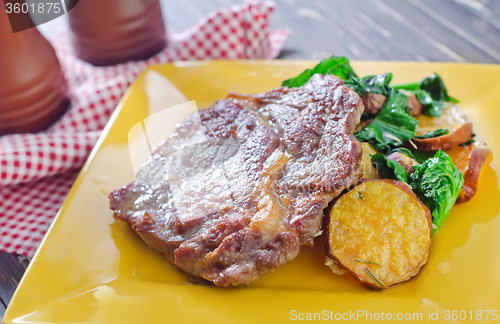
37,170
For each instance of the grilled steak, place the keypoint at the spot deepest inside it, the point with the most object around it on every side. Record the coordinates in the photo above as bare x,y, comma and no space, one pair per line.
244,183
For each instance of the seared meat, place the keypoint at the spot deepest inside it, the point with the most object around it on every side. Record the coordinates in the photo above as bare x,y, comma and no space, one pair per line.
241,202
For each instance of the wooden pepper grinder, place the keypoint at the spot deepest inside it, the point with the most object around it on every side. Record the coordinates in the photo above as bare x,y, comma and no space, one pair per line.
32,85
116,31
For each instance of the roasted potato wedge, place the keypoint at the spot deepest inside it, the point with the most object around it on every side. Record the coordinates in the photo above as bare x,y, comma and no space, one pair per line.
380,232
369,172
469,160
460,130
450,140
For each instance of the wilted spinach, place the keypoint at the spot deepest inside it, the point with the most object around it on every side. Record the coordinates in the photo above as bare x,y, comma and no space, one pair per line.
392,127
434,85
336,65
437,182
378,83
431,93
389,169
340,66
422,156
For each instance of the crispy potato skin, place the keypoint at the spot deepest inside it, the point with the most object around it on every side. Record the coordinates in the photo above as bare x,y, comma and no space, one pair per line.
389,226
469,160
452,119
453,139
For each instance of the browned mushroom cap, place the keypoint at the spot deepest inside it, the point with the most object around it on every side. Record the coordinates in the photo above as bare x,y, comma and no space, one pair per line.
414,106
373,102
405,161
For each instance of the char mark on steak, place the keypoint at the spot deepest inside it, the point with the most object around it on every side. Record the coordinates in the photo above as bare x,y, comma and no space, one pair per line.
237,220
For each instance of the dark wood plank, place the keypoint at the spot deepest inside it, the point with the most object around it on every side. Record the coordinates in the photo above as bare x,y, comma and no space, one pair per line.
2,310
487,11
12,268
424,30
312,35
450,26
384,33
458,20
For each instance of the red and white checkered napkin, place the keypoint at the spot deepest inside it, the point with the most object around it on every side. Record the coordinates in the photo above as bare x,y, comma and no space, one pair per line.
37,170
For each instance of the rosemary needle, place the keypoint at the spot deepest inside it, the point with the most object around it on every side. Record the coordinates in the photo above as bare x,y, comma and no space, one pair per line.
375,278
369,262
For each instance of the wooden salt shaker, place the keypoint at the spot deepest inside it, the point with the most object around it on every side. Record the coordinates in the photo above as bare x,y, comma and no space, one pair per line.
116,31
32,85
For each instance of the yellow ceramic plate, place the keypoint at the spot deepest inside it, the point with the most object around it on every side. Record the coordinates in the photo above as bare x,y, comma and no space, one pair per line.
93,269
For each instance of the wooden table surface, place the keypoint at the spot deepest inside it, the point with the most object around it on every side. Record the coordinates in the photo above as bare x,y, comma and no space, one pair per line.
401,30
